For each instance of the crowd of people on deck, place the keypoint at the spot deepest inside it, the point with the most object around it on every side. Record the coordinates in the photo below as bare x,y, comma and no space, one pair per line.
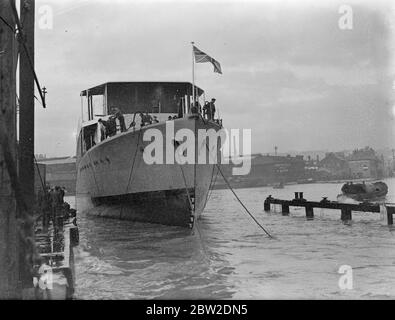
209,109
108,128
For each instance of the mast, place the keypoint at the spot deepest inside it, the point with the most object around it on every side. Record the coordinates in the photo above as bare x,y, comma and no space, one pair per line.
9,248
193,76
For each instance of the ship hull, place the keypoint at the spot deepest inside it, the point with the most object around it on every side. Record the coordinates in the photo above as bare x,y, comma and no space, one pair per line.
114,180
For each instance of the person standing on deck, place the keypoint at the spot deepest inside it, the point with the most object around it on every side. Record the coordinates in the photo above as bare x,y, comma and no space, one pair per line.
58,201
179,108
111,128
212,108
194,108
41,205
55,202
102,129
206,109
148,118
118,115
46,206
62,193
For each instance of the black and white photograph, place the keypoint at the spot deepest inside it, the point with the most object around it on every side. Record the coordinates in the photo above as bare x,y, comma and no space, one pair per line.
209,152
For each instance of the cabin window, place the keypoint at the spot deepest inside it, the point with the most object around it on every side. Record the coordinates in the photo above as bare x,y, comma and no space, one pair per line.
164,98
98,106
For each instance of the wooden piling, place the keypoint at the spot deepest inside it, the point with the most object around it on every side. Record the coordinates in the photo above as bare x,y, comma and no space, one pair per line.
9,247
26,118
346,214
285,209
309,212
26,102
390,215
266,206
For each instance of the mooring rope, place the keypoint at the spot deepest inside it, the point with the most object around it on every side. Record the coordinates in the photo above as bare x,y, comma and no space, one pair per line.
242,204
234,193
195,224
186,188
29,59
134,160
212,184
131,169
205,254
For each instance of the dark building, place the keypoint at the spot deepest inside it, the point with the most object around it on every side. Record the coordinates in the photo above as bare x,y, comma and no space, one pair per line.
335,166
277,168
267,170
359,164
364,163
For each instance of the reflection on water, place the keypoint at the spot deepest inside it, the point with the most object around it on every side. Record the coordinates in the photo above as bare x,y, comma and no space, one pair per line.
228,256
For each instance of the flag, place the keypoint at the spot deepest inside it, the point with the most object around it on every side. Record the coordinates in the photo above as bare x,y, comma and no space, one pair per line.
201,57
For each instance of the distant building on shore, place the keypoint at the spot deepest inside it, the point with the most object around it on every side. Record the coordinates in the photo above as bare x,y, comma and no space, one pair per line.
60,171
277,168
266,170
334,165
360,164
364,163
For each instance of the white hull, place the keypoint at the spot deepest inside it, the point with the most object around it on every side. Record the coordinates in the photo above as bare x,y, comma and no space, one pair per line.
113,180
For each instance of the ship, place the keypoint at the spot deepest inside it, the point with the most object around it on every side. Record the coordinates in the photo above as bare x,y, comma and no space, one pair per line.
365,191
115,180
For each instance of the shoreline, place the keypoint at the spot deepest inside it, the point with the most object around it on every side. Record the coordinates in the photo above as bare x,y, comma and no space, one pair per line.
251,184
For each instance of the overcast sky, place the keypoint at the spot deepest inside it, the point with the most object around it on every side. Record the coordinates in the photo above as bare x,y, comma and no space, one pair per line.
289,72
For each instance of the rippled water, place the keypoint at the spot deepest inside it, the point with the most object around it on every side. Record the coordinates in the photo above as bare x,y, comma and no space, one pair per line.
228,256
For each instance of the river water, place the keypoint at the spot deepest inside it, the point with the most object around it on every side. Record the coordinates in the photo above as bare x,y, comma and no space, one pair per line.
229,257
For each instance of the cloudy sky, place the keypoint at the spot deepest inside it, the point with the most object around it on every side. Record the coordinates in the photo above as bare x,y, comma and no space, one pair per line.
289,72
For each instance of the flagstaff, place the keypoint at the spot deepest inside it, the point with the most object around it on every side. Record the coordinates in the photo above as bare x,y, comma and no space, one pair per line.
199,56
193,75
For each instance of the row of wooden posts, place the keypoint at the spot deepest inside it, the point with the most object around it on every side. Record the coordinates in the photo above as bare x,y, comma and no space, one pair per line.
346,209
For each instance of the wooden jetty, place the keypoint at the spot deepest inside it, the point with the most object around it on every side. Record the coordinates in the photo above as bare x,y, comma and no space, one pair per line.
36,261
345,208
54,276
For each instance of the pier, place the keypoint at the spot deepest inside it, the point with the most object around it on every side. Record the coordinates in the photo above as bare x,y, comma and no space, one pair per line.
36,254
346,209
54,276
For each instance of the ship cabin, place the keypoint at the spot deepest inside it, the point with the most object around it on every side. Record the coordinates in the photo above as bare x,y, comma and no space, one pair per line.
162,101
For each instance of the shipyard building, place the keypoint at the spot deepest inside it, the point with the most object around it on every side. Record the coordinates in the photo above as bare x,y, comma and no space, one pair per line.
60,171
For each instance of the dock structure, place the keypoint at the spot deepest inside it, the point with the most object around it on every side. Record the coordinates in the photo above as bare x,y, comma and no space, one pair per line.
54,277
35,260
346,209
